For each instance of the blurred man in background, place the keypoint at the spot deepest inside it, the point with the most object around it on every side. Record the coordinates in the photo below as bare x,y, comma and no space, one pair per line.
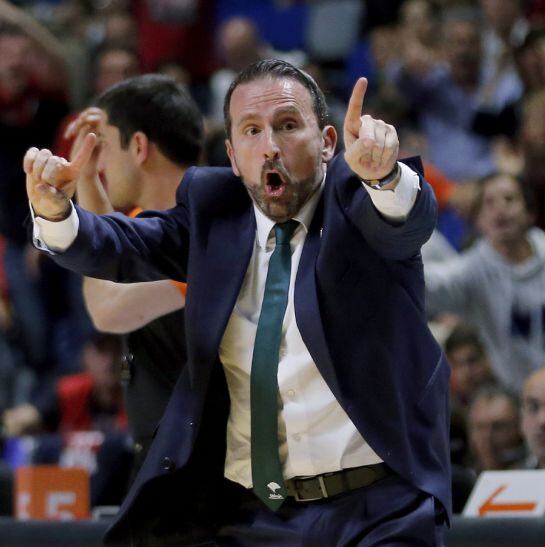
493,427
533,419
149,132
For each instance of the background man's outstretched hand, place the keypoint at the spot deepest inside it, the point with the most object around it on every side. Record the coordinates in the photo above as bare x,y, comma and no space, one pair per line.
371,146
51,180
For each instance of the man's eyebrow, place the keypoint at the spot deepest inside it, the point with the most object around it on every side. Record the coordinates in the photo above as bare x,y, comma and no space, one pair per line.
279,112
246,117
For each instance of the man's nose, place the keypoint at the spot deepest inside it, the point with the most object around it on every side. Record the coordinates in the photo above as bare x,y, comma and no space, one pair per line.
271,150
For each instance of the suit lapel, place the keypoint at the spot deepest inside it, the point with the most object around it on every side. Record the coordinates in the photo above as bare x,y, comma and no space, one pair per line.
231,242
307,310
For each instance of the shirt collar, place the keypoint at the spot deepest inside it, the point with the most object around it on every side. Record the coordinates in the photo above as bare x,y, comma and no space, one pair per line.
304,217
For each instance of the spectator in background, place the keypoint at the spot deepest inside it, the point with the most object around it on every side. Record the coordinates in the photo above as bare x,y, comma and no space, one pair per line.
113,63
419,22
40,59
493,428
470,368
470,372
32,103
88,400
185,30
532,150
523,122
533,419
497,284
80,421
446,96
529,59
120,28
505,29
239,45
175,70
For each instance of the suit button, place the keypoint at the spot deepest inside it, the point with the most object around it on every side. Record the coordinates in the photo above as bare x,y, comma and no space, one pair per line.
167,464
126,366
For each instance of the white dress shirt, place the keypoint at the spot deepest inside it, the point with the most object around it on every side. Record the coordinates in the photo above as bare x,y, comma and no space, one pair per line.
315,434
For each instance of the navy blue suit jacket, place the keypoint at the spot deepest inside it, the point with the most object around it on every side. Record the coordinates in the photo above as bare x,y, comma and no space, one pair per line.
359,304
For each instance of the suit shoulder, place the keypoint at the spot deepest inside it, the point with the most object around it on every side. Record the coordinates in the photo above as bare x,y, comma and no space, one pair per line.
206,180
213,189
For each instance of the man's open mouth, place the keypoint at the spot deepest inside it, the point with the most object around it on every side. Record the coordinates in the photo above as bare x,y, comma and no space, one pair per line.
274,184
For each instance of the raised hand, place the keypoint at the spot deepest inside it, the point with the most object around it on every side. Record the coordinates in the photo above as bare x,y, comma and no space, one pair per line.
51,180
87,122
371,146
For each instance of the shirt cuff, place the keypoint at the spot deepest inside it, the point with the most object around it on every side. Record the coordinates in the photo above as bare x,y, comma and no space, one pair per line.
54,237
396,204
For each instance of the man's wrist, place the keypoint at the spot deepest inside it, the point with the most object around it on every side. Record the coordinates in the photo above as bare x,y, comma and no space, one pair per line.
393,176
59,217
55,235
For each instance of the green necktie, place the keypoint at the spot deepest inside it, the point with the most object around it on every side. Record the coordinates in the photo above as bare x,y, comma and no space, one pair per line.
268,481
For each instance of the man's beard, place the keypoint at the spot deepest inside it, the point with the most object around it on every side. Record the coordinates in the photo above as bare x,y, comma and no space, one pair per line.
295,192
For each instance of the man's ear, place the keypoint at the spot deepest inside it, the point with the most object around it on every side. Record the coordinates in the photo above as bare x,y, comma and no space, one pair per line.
329,136
231,154
140,147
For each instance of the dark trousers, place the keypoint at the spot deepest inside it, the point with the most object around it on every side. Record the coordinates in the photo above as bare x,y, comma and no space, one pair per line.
391,512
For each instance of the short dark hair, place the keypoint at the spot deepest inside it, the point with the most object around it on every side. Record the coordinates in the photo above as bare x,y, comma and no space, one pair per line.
464,334
162,109
276,68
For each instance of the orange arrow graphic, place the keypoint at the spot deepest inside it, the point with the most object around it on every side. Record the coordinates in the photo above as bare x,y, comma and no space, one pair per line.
488,506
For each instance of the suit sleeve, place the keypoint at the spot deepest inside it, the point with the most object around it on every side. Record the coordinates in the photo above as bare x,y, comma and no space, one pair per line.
117,248
392,240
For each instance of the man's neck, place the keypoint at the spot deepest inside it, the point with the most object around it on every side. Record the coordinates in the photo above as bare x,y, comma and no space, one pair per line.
160,186
515,251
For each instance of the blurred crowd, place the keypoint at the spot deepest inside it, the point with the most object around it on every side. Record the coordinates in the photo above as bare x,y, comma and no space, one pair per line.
462,81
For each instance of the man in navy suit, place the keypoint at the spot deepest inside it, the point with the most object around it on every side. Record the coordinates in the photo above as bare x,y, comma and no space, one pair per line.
361,404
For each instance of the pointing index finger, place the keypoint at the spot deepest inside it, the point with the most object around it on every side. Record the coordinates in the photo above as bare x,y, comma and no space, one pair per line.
355,105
